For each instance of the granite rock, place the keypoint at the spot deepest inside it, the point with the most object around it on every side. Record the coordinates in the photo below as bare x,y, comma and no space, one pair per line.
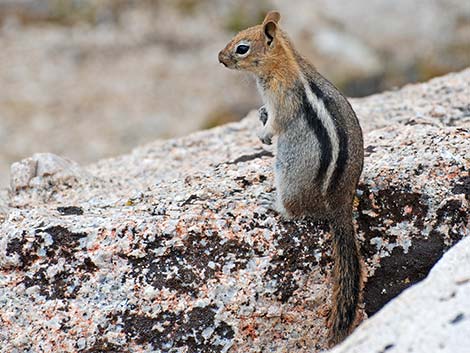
42,169
407,324
167,249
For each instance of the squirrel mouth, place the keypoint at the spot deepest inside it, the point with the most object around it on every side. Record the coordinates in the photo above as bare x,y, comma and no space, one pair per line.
223,59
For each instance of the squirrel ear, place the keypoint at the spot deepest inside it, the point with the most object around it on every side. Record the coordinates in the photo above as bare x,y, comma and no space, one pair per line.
272,16
270,25
270,31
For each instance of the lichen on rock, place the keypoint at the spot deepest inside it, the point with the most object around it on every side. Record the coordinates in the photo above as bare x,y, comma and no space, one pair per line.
432,316
167,249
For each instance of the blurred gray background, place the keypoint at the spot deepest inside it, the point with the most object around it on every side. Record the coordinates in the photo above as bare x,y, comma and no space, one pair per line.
89,79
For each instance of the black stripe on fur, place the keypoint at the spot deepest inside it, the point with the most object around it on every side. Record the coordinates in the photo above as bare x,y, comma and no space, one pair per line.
331,107
320,131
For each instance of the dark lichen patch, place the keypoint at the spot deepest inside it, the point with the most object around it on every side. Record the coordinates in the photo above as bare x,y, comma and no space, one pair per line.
143,329
202,249
64,244
88,265
70,210
66,283
63,238
104,346
400,270
15,246
63,285
185,268
452,212
462,186
195,330
27,255
170,270
296,249
390,206
242,181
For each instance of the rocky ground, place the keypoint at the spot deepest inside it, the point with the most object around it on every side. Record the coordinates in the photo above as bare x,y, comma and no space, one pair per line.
167,248
433,316
89,79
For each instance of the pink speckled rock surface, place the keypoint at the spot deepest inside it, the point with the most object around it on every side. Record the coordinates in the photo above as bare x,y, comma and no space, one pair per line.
167,249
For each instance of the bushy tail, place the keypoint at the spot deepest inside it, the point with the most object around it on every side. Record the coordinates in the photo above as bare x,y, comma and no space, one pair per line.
347,276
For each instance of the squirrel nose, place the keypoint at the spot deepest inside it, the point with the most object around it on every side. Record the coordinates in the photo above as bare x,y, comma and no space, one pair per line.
222,58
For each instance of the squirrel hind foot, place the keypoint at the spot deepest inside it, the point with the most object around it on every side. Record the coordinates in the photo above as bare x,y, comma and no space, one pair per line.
271,202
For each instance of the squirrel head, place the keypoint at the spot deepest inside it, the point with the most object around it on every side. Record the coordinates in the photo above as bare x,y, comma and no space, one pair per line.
253,48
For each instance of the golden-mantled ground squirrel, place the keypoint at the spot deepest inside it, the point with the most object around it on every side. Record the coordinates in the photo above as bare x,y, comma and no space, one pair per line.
319,149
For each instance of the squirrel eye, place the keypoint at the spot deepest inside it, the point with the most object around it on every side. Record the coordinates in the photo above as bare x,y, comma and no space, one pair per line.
242,49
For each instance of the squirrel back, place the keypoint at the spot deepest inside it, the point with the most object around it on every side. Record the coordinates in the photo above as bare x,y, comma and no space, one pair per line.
319,155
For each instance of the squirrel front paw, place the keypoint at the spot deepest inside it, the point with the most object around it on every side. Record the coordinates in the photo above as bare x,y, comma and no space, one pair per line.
264,134
263,114
265,138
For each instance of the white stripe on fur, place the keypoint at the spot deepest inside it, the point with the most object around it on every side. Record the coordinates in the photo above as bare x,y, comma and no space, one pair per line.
327,121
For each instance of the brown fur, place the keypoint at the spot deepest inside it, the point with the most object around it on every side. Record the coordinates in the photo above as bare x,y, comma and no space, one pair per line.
282,72
275,65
